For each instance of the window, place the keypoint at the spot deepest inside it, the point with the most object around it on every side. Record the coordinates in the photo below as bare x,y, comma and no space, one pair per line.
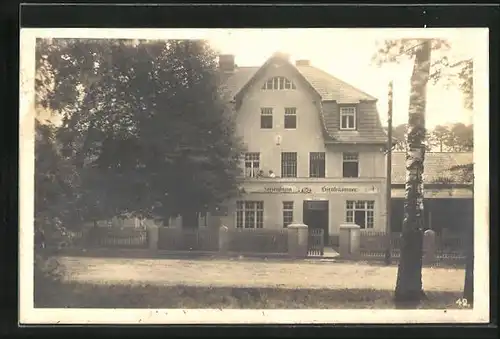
360,213
249,214
252,164
290,117
278,83
287,213
266,117
317,164
288,165
348,118
350,165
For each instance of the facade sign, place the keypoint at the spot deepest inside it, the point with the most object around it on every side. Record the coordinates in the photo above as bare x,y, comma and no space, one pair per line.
327,189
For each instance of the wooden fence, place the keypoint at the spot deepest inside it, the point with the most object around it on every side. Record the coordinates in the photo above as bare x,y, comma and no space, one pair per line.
196,239
258,240
373,246
117,237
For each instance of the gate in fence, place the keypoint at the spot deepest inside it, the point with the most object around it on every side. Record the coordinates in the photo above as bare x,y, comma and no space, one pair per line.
316,242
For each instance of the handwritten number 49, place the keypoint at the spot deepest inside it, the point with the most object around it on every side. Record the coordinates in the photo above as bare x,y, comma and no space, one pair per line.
462,302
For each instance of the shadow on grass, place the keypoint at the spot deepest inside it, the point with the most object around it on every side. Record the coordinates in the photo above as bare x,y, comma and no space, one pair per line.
77,295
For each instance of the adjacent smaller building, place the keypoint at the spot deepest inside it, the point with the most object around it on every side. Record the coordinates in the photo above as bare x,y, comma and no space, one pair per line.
448,195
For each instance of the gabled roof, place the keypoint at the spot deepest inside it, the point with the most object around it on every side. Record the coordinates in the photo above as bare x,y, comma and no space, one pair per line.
369,128
326,85
436,166
239,78
329,89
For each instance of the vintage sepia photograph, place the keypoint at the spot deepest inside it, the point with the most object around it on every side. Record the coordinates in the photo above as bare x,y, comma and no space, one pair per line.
254,175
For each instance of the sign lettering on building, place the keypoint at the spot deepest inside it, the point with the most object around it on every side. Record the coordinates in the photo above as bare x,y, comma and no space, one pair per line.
311,190
287,189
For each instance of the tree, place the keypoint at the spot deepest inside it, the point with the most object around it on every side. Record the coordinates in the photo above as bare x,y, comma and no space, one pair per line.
398,133
464,174
442,137
145,124
409,279
462,137
54,182
409,291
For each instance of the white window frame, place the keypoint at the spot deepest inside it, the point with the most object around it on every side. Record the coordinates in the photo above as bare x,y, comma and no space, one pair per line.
287,210
278,83
266,112
288,166
368,207
348,111
243,209
251,158
290,112
311,163
344,154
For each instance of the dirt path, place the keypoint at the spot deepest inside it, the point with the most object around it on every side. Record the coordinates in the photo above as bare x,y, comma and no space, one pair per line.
250,273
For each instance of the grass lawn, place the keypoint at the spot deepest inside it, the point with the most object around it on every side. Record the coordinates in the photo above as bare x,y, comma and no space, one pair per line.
81,295
169,283
313,274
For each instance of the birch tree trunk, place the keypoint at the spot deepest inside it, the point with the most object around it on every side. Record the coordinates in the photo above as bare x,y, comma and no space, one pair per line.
409,291
469,262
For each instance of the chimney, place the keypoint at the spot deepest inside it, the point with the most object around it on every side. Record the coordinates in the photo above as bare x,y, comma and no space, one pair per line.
226,62
302,63
282,55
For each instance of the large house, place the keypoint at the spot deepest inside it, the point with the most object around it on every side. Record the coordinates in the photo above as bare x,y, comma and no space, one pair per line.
316,154
315,148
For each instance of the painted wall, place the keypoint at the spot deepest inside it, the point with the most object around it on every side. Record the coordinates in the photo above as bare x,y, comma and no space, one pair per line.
306,138
273,202
372,161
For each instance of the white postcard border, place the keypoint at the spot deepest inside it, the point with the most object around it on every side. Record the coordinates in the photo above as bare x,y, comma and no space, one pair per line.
29,315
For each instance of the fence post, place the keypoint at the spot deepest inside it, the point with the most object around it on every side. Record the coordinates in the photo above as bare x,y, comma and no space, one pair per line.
429,247
152,236
297,240
223,239
349,241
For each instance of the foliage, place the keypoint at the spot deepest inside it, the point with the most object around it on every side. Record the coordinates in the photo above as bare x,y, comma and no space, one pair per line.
458,138
457,174
143,123
466,171
55,183
442,69
455,138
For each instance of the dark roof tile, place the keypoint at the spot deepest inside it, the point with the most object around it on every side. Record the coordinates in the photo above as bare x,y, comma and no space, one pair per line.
369,127
331,88
436,166
333,92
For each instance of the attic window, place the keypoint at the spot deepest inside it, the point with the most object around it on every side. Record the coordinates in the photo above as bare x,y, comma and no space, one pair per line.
278,84
348,118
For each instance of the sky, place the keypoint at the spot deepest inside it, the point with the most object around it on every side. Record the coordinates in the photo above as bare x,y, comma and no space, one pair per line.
346,54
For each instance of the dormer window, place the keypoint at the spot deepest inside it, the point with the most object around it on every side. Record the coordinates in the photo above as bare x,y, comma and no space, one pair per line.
278,84
348,118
